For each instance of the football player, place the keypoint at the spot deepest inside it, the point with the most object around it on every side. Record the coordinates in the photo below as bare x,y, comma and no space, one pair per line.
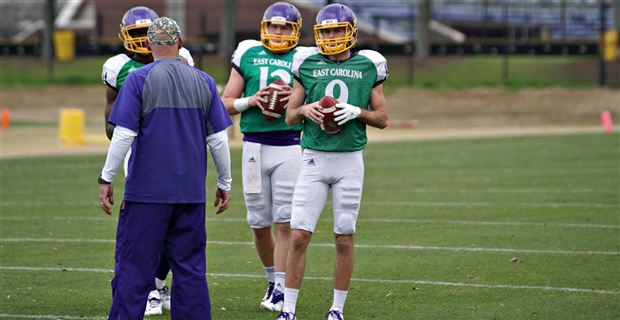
271,152
134,24
332,161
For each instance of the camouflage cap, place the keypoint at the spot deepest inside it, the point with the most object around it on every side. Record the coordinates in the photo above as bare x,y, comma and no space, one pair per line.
164,31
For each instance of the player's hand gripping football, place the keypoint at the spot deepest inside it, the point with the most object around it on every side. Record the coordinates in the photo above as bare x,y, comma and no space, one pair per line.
259,99
222,199
346,113
312,112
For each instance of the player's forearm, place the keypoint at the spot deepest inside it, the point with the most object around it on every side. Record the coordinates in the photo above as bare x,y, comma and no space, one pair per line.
375,118
293,115
109,130
110,96
220,152
294,105
229,104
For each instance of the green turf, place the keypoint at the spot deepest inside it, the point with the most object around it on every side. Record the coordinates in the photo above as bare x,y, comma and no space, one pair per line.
524,219
457,73
487,71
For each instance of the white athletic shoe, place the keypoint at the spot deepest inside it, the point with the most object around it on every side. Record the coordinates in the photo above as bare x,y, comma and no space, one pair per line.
267,297
276,303
286,316
334,315
165,297
153,304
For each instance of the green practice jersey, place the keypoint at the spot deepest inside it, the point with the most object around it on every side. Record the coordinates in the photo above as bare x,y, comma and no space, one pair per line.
259,67
116,69
349,81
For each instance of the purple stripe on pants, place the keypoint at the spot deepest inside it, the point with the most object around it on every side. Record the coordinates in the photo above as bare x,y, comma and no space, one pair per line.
143,230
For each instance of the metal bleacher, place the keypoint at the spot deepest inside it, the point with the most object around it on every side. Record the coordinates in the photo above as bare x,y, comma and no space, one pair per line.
576,19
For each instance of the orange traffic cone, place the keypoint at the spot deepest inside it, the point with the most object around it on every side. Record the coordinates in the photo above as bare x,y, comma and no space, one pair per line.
6,118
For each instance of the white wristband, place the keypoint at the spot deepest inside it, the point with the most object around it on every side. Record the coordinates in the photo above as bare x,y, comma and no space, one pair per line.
241,104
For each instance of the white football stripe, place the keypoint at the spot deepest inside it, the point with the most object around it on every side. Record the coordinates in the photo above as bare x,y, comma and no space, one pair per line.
423,282
357,245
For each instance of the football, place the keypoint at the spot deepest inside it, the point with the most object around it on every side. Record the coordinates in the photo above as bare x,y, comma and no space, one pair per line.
328,107
275,107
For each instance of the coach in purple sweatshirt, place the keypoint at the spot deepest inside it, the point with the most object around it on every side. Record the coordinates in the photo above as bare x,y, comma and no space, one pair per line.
167,112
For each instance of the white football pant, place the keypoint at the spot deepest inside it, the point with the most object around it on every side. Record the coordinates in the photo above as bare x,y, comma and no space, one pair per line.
343,172
269,176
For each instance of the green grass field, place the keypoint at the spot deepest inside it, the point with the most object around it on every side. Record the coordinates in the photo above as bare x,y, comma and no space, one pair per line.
440,224
456,73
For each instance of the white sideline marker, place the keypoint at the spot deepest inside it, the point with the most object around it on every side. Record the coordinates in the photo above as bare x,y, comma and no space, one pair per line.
433,283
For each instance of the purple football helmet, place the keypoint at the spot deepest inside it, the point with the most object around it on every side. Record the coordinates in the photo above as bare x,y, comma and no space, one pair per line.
340,17
136,21
288,17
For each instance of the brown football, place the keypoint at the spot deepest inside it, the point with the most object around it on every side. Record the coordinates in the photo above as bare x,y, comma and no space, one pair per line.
328,107
275,107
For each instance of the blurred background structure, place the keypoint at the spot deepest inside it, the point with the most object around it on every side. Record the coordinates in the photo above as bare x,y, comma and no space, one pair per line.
415,29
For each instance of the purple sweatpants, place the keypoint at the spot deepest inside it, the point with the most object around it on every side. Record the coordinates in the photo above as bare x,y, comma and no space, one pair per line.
143,231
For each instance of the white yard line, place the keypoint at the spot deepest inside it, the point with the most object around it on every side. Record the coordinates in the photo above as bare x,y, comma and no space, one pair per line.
47,316
57,240
369,220
407,191
489,204
358,245
493,223
381,220
442,248
571,205
403,281
478,223
69,203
